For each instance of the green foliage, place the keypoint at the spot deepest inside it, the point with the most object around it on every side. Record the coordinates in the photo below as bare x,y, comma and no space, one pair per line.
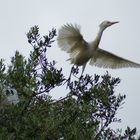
85,113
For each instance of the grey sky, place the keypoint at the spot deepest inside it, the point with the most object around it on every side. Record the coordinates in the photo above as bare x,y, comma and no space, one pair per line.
122,39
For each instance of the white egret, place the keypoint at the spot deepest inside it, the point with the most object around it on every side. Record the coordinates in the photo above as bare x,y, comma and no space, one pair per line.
70,40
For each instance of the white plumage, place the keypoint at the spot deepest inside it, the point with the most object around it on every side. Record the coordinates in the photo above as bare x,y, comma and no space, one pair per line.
70,40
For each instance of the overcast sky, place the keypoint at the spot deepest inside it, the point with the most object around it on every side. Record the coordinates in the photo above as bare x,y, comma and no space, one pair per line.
123,39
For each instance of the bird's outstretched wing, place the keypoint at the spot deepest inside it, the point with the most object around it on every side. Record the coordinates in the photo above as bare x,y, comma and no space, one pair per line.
106,59
70,39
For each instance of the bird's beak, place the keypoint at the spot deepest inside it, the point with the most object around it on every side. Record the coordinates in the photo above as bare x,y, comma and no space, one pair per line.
114,22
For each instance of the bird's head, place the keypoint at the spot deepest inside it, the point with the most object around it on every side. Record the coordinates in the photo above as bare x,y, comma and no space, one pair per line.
106,24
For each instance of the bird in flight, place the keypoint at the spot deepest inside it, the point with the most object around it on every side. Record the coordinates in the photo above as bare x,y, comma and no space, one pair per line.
71,40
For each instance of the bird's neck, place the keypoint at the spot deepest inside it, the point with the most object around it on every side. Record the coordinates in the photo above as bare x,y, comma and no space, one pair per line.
98,38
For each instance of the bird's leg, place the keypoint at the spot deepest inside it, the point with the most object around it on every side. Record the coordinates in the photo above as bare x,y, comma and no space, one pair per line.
83,68
67,80
70,73
79,81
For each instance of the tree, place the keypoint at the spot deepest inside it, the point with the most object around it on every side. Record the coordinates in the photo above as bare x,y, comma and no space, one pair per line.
85,113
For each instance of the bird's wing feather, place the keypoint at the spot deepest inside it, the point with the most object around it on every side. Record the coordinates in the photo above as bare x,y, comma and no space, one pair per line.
70,39
106,59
